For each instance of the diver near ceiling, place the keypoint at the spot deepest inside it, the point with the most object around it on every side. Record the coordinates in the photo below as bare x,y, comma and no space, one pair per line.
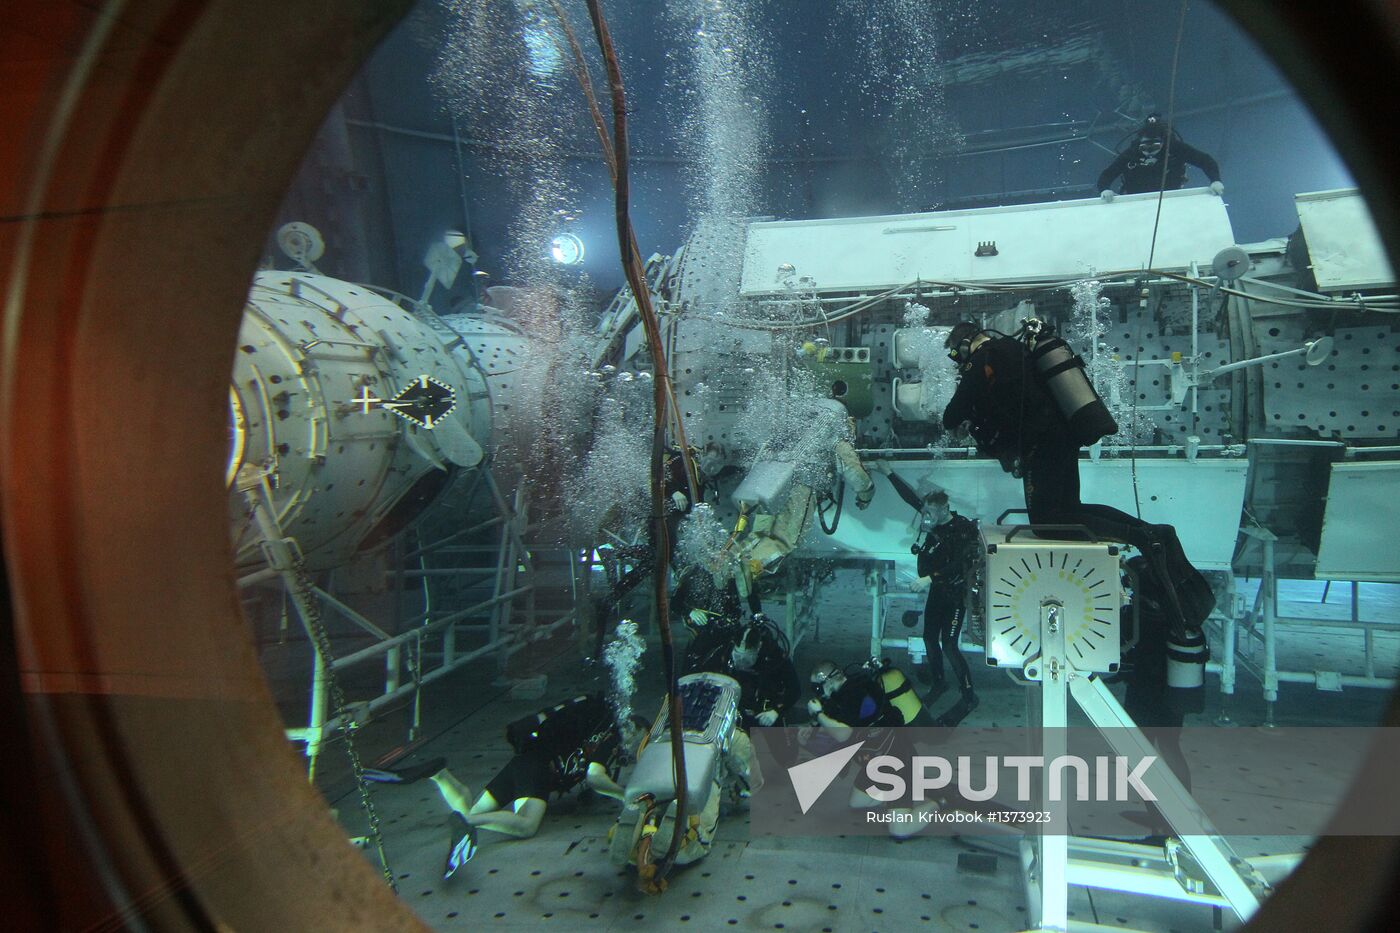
947,551
1156,160
1032,409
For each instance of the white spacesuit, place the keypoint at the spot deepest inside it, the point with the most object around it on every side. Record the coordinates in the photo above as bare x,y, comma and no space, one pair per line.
772,524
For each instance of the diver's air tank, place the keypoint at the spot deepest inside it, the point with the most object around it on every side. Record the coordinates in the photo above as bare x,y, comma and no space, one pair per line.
900,693
1186,660
1061,371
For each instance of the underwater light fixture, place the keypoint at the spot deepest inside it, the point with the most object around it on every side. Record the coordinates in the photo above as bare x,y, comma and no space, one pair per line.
566,249
542,53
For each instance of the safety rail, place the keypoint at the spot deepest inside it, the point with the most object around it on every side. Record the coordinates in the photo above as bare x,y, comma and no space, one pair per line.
429,634
395,689
1260,626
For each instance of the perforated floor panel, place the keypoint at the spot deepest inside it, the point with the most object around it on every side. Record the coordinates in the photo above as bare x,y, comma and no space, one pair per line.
563,879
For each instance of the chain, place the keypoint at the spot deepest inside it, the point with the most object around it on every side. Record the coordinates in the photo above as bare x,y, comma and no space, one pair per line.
415,670
317,628
415,663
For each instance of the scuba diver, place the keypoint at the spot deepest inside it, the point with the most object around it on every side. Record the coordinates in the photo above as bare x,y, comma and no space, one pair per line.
1033,409
703,598
756,655
874,693
947,552
1156,160
762,664
714,630
642,555
871,695
556,749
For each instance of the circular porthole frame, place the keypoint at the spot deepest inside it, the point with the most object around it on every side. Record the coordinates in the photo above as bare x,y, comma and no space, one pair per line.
150,145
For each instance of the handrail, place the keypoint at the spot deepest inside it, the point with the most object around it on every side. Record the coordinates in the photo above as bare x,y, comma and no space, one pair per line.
383,646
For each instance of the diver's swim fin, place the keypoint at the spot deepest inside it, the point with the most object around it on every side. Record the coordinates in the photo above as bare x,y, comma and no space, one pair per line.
461,844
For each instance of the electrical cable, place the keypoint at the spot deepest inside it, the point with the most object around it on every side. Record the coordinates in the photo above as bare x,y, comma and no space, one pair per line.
634,258
636,279
839,498
1152,251
983,288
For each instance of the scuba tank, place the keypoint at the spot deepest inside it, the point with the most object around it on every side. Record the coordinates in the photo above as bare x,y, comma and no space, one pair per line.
544,728
1186,660
901,694
898,691
1061,371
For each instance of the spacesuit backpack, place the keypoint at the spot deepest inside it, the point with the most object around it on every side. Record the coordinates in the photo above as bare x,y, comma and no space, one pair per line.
1061,371
709,718
709,713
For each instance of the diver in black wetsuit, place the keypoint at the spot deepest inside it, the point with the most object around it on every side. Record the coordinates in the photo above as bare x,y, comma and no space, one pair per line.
756,655
575,742
1014,419
1156,160
874,697
642,556
946,550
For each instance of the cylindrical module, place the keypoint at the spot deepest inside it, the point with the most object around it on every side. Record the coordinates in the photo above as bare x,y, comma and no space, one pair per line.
1061,371
360,412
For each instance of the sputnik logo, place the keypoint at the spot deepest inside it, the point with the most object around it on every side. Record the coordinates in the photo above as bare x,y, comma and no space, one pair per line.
811,778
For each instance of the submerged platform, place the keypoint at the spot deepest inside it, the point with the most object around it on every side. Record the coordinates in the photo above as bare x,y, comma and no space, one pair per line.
563,877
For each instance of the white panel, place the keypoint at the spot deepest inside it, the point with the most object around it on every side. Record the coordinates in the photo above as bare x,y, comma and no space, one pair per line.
1083,578
1202,499
1343,246
1033,241
1362,506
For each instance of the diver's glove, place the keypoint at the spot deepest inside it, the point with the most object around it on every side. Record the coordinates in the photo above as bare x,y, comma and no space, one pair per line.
863,498
814,707
1217,188
1107,194
767,717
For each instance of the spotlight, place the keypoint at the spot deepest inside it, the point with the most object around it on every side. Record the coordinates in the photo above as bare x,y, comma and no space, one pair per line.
566,249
